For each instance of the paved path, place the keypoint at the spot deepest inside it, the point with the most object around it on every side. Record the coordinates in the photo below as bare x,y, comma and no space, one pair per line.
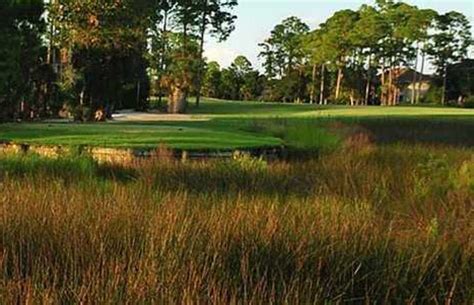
134,116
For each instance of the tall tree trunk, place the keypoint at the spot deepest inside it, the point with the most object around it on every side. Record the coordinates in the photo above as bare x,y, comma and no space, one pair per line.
163,56
201,56
321,92
383,93
179,94
369,81
313,85
418,89
415,77
81,95
290,64
338,82
49,60
390,85
52,55
177,100
445,81
138,95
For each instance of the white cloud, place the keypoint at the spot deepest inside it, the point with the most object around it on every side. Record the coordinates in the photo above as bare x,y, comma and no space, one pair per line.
222,55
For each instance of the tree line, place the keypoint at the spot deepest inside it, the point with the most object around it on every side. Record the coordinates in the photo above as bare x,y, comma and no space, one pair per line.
71,56
80,56
358,58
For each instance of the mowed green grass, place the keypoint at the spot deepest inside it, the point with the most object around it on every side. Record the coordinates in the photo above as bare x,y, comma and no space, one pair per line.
246,109
133,136
228,125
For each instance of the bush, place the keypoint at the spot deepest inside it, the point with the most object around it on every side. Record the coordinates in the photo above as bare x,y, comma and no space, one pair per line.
82,113
433,96
469,103
246,162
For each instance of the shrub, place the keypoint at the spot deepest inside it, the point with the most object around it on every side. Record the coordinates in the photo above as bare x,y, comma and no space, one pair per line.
82,113
434,95
469,103
246,162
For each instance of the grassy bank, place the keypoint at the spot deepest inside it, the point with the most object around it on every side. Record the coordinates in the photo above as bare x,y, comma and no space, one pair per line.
221,125
366,224
200,135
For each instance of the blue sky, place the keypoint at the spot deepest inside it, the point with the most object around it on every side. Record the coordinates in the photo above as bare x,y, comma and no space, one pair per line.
256,18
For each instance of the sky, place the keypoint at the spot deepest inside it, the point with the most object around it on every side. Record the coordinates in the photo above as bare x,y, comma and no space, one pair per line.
256,19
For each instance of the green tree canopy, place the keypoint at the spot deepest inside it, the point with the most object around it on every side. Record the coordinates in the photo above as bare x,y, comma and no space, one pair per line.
21,55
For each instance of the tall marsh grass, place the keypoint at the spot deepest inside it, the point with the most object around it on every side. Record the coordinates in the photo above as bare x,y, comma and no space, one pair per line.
373,225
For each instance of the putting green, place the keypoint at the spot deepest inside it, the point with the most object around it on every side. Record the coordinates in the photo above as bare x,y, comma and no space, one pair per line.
133,136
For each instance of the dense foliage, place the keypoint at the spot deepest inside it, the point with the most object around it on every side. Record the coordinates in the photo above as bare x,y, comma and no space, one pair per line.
75,57
374,55
22,69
